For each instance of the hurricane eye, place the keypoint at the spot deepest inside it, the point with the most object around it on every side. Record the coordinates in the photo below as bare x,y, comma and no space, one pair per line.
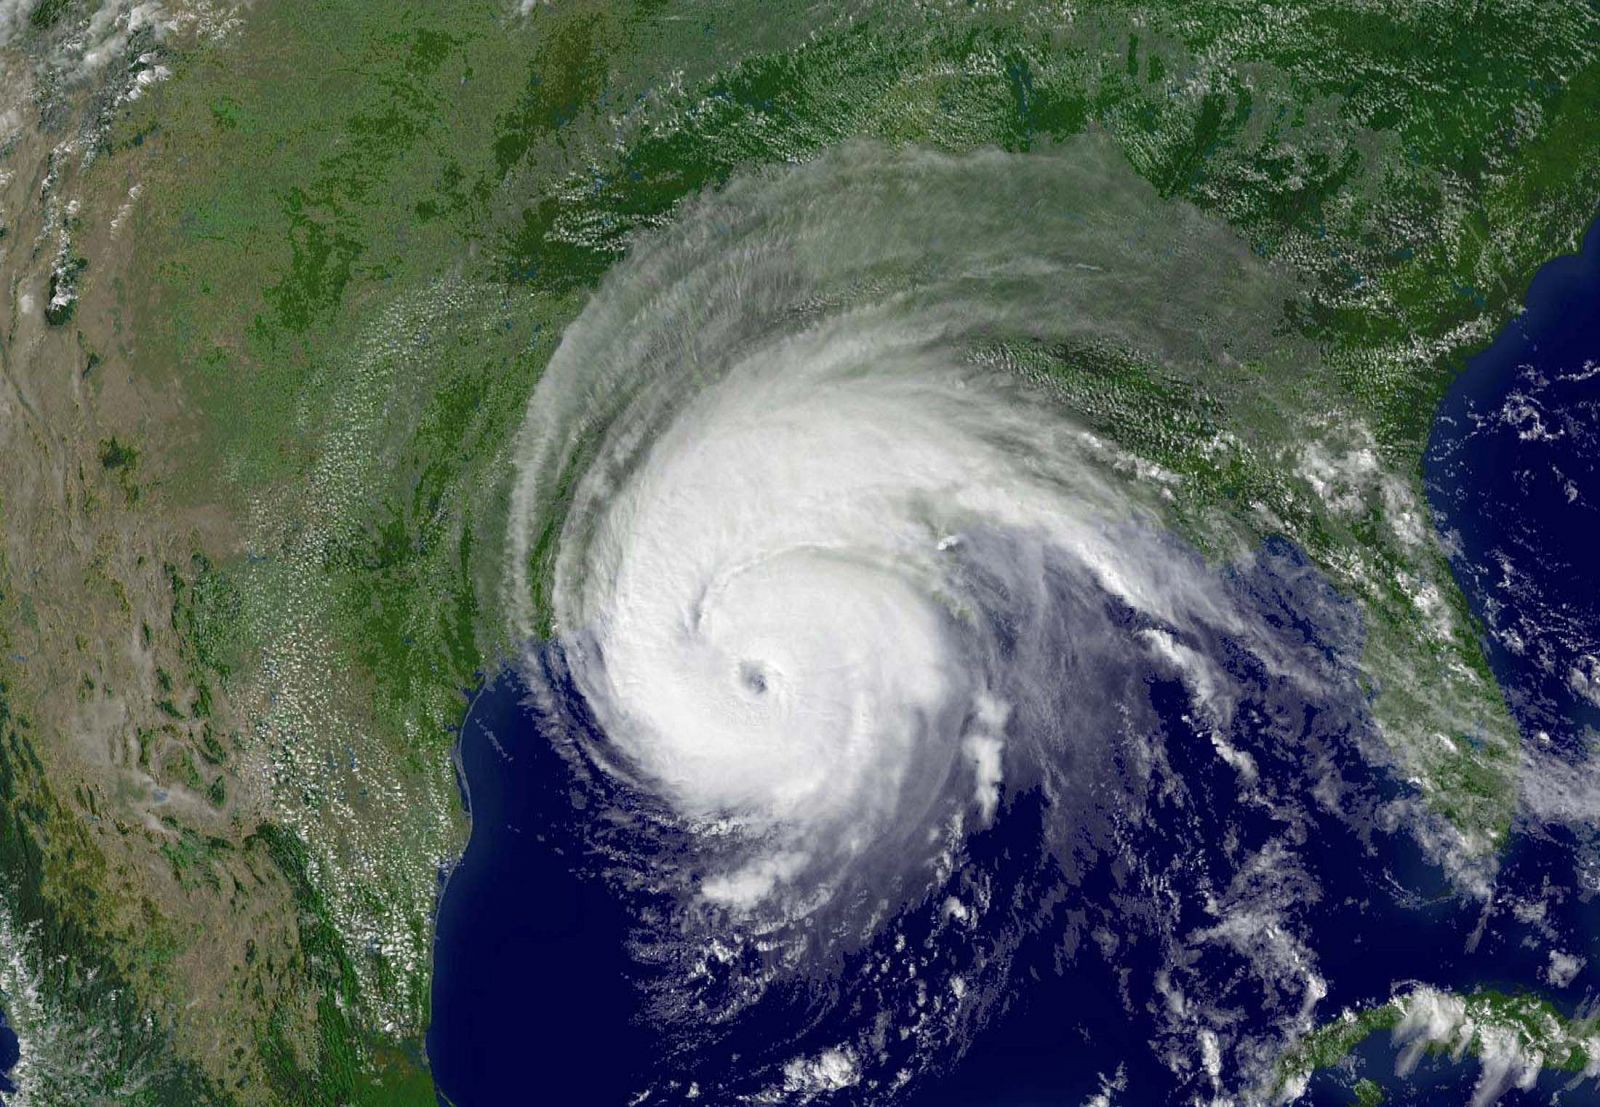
883,648
753,678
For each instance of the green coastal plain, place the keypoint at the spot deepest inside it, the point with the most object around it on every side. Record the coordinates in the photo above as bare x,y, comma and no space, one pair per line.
279,279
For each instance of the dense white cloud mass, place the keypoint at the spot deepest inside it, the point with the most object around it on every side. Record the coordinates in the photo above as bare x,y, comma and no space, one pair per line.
818,575
807,558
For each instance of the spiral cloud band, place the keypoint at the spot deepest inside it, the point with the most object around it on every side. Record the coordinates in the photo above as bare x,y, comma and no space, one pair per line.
787,428
831,570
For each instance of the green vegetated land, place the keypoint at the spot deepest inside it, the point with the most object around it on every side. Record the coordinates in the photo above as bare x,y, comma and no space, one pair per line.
364,225
1512,1026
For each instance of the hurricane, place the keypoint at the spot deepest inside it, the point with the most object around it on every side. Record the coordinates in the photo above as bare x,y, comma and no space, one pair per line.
874,664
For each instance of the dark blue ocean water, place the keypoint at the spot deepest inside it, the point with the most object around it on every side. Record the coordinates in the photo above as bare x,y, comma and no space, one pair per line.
10,1053
1513,474
533,1001
531,996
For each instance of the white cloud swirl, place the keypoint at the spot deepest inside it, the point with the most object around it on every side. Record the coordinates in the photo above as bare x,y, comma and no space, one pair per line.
798,524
